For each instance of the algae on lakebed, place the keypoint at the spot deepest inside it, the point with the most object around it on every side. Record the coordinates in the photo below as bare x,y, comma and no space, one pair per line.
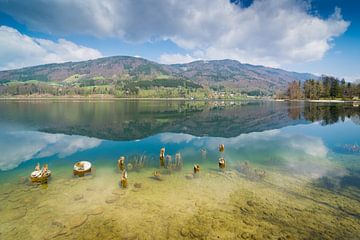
225,205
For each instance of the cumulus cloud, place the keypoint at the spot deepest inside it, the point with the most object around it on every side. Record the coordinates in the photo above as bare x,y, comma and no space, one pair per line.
20,146
19,50
266,32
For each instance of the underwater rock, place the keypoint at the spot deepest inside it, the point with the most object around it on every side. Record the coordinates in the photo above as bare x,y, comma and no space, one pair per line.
196,232
129,236
108,221
57,224
189,176
77,220
95,211
78,197
246,235
137,185
250,203
247,222
90,189
111,199
184,232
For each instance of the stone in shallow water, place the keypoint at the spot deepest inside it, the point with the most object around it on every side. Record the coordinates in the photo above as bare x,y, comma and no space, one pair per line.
250,203
90,189
245,235
184,232
129,236
248,222
111,199
189,176
95,211
196,232
57,224
78,197
77,221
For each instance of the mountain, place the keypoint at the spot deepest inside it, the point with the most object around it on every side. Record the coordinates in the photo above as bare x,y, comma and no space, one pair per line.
231,73
227,73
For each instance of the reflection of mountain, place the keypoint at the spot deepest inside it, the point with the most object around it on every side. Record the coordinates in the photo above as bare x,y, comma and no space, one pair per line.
124,120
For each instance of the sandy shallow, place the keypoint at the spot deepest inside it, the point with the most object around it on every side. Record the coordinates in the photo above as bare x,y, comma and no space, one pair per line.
215,205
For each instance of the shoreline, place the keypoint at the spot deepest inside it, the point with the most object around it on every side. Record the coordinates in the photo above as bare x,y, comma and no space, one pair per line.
317,101
107,97
112,98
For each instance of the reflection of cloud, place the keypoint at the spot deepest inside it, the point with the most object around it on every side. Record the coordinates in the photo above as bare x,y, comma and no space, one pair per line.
175,137
19,146
297,153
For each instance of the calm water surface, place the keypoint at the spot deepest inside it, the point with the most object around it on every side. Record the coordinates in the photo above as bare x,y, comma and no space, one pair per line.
293,170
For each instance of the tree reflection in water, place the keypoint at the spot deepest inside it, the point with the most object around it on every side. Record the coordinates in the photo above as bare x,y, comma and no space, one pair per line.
128,120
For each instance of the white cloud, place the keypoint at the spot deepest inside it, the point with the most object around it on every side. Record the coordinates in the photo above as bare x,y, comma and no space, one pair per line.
176,58
354,78
19,50
272,33
20,146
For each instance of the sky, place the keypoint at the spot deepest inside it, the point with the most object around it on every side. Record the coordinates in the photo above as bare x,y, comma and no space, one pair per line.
316,36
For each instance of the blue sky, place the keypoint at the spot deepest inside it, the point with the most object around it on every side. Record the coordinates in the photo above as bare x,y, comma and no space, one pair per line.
318,36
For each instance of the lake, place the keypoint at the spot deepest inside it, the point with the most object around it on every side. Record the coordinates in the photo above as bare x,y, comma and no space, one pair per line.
292,170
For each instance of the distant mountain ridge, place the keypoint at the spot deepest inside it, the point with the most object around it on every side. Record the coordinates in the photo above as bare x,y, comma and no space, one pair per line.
228,73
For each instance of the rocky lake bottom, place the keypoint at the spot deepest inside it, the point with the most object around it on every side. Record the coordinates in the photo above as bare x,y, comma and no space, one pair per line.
216,204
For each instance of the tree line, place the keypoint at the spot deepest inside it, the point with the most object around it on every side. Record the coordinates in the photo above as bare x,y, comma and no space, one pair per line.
94,86
326,87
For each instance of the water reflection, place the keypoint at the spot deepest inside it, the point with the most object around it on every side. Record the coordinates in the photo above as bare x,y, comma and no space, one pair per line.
252,131
126,120
294,153
330,113
17,146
